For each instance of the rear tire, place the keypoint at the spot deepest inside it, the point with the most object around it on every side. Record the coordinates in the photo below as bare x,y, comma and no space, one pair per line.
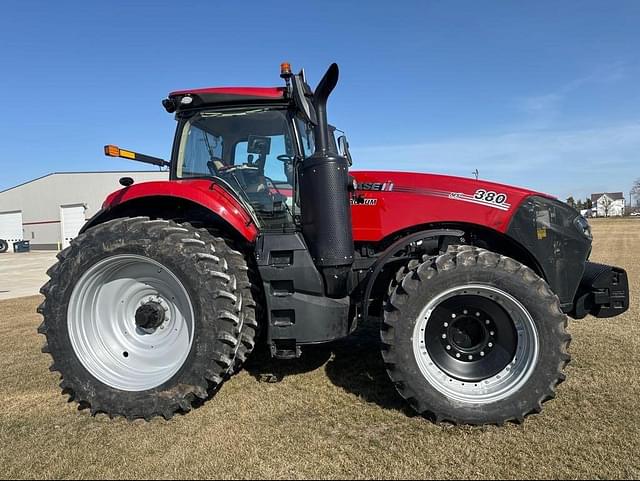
472,337
115,368
4,246
250,296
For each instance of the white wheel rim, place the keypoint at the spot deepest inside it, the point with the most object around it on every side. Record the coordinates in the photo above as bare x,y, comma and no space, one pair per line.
103,330
498,387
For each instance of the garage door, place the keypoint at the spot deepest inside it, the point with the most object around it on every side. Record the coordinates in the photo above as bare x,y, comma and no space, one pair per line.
11,226
71,220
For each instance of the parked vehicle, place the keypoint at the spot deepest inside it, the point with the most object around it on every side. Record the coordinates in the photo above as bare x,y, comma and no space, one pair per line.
263,235
4,246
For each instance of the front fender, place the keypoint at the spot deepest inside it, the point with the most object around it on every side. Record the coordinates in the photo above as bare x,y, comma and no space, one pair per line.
204,193
388,255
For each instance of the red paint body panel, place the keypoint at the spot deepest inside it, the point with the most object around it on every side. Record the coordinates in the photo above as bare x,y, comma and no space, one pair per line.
266,92
418,199
202,192
410,199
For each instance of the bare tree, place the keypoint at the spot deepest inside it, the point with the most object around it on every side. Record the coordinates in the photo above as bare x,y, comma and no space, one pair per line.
635,191
605,202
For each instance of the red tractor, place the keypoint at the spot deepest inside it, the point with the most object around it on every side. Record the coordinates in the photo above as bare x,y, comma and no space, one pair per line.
262,234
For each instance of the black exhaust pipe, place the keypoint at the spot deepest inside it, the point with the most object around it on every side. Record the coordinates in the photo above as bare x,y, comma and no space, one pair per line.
325,200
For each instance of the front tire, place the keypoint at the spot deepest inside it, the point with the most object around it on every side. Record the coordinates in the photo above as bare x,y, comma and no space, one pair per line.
472,337
143,317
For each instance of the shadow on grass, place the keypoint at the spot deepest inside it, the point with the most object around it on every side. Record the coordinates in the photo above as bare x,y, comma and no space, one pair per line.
353,364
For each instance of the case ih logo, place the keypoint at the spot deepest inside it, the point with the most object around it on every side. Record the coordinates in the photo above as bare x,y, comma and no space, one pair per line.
376,186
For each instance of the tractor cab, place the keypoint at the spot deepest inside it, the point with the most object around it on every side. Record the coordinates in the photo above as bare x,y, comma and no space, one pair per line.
252,150
250,140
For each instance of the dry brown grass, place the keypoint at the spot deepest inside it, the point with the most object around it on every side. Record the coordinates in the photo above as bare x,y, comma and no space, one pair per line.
334,415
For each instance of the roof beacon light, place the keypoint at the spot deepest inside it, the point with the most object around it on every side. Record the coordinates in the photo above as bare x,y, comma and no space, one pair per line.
285,70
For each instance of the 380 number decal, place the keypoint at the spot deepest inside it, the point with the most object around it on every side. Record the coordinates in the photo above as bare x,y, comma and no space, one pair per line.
490,196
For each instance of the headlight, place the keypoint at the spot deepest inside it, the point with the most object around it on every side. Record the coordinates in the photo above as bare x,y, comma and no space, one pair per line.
583,226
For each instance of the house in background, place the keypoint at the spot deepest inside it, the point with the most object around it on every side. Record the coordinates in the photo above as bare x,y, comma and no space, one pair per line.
609,204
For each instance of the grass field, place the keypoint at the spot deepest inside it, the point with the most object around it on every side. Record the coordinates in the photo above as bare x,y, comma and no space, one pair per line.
334,414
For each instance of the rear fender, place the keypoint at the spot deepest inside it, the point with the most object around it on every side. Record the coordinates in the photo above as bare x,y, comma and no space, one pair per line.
197,200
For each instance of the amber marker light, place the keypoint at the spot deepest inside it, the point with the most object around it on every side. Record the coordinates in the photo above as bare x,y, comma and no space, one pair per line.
111,151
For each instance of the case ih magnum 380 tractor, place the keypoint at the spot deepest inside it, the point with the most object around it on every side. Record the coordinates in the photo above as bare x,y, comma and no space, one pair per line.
263,235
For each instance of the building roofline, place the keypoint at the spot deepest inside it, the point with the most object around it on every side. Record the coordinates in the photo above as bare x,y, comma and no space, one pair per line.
612,195
51,174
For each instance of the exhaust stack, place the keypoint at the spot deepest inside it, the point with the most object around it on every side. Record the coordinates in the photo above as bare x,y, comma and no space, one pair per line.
325,199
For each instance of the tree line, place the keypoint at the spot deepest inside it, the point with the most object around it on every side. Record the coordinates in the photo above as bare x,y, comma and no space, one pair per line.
580,204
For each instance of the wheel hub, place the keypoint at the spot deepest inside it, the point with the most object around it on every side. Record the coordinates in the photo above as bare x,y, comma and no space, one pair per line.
150,316
470,336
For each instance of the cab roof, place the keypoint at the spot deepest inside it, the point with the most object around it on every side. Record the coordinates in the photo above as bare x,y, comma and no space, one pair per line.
216,95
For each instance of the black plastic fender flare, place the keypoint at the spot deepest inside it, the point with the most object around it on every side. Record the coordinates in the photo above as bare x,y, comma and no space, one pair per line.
389,253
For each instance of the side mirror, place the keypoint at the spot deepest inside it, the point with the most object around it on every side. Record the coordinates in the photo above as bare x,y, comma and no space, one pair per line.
343,146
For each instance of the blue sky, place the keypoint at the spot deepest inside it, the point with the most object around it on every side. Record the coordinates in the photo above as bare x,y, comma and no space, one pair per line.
543,94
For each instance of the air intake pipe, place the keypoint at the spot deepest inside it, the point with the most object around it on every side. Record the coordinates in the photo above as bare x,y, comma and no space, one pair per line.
324,198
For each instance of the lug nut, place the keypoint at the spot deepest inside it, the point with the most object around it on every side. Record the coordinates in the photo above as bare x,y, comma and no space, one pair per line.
458,355
448,348
453,316
446,324
470,358
444,336
490,344
492,333
482,354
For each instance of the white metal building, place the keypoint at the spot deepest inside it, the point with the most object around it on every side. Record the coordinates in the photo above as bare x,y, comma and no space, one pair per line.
50,211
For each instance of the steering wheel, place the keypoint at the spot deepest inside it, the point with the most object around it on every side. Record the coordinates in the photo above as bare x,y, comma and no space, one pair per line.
285,158
235,168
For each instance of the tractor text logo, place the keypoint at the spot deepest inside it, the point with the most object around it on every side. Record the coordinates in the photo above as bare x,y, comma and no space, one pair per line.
376,186
363,201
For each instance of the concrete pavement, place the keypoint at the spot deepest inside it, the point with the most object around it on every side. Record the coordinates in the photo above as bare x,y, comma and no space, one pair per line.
24,274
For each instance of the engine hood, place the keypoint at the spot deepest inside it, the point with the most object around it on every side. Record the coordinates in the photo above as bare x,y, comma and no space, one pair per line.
412,180
389,202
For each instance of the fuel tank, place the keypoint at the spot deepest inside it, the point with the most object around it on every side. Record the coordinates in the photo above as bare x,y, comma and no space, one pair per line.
388,202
